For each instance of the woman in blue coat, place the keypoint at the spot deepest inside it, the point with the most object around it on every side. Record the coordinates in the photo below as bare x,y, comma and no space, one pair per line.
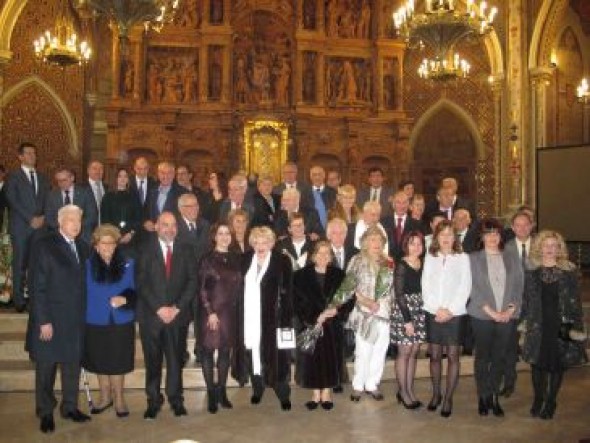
109,349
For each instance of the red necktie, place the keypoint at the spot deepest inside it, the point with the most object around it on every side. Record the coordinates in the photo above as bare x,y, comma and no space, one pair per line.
168,261
398,230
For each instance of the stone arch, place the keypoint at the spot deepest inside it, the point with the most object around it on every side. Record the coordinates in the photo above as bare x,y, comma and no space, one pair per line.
545,31
8,18
495,55
35,80
459,112
326,161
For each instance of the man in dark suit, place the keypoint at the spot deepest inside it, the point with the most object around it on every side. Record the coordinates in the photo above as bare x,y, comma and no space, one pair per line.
399,224
466,230
140,183
236,197
55,332
376,191
324,197
164,197
185,178
69,193
290,203
26,191
297,246
166,283
459,201
266,204
290,181
194,231
95,183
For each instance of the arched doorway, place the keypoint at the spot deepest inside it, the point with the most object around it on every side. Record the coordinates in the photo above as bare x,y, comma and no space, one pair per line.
445,145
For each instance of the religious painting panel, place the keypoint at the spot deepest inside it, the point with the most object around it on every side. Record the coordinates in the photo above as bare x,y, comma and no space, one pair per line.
265,146
172,75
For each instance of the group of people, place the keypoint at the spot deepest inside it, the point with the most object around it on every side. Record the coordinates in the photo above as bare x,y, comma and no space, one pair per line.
249,261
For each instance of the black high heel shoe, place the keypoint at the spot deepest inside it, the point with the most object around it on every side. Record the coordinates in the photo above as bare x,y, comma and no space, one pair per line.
483,406
101,409
434,402
496,408
400,399
311,405
447,409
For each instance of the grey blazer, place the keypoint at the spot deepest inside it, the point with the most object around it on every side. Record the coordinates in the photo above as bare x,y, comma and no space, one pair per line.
364,194
481,288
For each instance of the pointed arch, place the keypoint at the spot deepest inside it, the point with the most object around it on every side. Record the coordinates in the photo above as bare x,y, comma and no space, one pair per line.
460,113
35,80
495,55
8,17
544,33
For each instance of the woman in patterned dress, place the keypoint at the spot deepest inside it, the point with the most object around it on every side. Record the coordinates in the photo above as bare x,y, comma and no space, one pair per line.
408,327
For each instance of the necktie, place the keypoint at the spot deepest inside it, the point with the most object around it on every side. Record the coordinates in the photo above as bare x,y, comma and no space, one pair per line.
320,207
67,199
523,255
141,192
168,261
399,229
99,194
191,227
373,194
339,259
74,250
33,181
162,195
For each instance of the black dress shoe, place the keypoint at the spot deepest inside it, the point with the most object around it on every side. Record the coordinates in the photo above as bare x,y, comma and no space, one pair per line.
312,405
548,410
483,406
338,389
151,412
327,405
255,399
536,407
122,414
507,391
47,424
179,410
496,408
355,396
101,409
20,307
286,405
76,415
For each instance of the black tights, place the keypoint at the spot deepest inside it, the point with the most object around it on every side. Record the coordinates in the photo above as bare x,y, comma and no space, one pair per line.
405,370
546,386
223,361
453,353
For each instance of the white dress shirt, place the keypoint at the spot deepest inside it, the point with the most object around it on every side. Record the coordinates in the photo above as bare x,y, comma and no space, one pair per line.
446,283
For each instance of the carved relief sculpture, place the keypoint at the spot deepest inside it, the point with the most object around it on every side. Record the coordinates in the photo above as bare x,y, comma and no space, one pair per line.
390,89
282,81
309,10
332,18
128,79
189,17
242,87
154,83
172,84
215,72
309,73
364,23
190,84
346,28
347,86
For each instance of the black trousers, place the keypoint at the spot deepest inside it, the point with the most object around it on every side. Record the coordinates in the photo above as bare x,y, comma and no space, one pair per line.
21,245
491,343
160,341
511,360
45,381
281,388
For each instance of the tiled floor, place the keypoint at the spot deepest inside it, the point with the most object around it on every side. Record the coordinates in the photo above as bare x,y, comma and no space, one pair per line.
367,421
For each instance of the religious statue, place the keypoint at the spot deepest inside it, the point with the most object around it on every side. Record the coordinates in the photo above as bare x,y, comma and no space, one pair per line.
364,22
364,78
190,14
309,9
282,83
190,81
261,79
332,18
309,77
154,83
171,84
347,25
347,91
216,12
129,79
215,70
241,83
168,149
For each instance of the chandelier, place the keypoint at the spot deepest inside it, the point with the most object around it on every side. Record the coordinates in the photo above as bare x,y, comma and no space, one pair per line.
125,14
62,48
583,94
440,25
443,69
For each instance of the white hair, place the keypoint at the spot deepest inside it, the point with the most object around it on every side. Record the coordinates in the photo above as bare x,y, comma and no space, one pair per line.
66,210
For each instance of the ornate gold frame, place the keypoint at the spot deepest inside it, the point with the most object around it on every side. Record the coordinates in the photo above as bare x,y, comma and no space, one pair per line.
255,159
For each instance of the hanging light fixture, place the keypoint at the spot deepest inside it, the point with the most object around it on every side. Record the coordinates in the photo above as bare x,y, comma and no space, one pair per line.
440,25
582,93
62,48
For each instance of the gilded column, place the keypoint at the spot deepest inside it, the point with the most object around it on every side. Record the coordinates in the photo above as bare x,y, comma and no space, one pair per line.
517,103
497,86
139,69
321,79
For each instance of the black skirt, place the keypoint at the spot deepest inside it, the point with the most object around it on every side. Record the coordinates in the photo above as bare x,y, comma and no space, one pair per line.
109,350
449,333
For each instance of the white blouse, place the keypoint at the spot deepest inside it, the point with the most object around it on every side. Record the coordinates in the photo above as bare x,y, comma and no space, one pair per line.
446,283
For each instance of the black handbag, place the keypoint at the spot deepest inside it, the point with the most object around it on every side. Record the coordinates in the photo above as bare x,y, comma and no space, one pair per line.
308,338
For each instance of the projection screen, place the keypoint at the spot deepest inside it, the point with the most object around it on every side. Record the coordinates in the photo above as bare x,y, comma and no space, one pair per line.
563,191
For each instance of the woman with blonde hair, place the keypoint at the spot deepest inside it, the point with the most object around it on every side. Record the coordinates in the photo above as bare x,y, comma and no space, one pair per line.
552,320
345,206
109,349
369,277
265,304
239,222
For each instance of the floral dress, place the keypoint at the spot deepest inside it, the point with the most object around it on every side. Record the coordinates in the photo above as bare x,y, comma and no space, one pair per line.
408,305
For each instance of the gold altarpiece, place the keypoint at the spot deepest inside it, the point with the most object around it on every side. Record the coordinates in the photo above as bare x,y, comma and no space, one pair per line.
327,75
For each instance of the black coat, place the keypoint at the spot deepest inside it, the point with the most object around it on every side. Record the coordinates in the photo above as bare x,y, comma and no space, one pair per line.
155,290
276,287
264,214
150,185
58,296
310,218
198,240
121,209
320,369
569,309
84,199
3,206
